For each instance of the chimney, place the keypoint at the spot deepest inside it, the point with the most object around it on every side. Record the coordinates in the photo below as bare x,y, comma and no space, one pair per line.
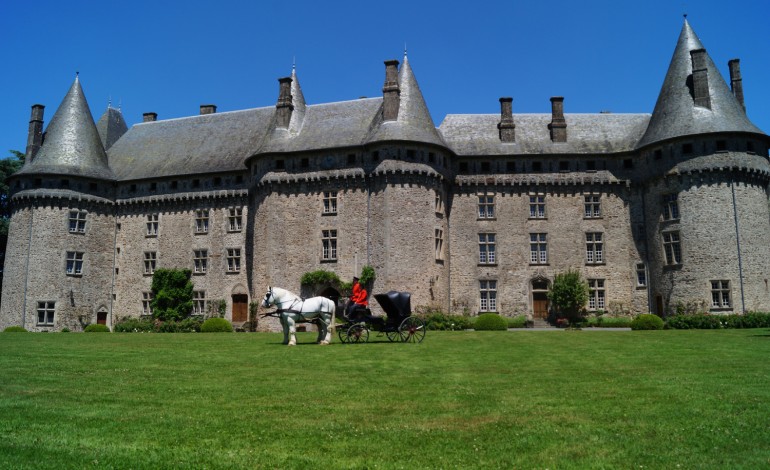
35,133
506,126
149,117
208,109
736,82
558,125
700,79
284,106
390,91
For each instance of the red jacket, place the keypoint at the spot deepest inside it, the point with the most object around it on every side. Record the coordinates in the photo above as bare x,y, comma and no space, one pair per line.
359,295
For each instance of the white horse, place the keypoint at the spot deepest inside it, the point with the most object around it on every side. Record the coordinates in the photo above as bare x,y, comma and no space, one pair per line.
292,310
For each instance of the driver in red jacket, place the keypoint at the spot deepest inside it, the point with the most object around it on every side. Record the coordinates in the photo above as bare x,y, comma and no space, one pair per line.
357,298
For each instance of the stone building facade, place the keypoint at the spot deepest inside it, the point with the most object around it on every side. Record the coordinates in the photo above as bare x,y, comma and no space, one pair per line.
476,215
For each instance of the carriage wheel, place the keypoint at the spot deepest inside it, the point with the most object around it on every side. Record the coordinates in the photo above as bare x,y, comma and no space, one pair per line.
342,332
393,335
358,334
412,330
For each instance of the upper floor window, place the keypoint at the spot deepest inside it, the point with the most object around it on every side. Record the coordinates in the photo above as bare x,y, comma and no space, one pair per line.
200,261
45,313
720,294
329,245
77,221
330,202
486,206
439,201
439,244
152,225
670,207
538,248
594,248
488,296
537,206
641,275
672,248
235,219
487,248
75,263
596,294
233,260
201,221
592,206
150,262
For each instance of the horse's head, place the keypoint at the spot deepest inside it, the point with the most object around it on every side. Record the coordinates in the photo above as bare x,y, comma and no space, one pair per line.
269,298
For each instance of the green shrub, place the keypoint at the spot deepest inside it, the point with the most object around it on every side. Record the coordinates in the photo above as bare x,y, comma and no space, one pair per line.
97,328
15,329
647,321
172,293
216,325
320,276
569,295
700,321
65,330
608,322
139,325
438,320
748,320
519,321
490,322
133,325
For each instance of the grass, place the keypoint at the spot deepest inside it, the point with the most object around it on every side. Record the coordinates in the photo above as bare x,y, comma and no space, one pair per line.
561,399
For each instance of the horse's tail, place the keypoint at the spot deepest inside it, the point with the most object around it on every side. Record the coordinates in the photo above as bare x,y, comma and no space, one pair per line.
334,313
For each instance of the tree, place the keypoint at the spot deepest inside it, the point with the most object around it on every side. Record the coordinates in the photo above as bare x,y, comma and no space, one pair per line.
172,293
569,295
8,166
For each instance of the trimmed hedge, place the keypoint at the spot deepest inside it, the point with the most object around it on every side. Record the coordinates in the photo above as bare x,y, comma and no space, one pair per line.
15,329
647,321
519,321
444,322
216,325
704,321
608,322
97,328
490,322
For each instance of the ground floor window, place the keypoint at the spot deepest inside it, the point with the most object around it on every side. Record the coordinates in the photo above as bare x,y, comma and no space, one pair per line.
45,313
488,292
720,294
199,302
596,294
641,275
146,303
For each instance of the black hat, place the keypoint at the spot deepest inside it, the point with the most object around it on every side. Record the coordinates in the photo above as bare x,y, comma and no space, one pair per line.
355,278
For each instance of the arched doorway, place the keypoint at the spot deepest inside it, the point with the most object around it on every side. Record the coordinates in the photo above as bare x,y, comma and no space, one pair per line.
539,287
101,316
240,311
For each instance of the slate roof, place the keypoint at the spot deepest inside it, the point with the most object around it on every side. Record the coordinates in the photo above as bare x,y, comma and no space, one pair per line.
72,145
477,134
675,113
200,144
111,126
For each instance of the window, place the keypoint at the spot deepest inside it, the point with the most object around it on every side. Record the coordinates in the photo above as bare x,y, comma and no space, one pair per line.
200,261
590,165
217,181
537,167
510,167
487,248
150,261
670,207
329,241
488,294
486,167
330,202
351,159
235,219
152,225
641,275
439,202
280,165
564,166
686,149
199,302
721,145
147,303
594,248
596,294
439,239
77,222
672,248
486,206
593,206
74,263
538,248
201,221
304,163
720,294
537,206
233,260
45,313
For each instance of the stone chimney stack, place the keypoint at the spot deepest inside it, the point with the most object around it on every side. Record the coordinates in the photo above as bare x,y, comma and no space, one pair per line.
558,125
35,133
149,117
736,82
284,106
208,109
506,126
390,91
700,79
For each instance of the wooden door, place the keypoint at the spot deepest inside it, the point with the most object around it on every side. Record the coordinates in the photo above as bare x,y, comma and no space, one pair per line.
101,318
240,308
540,305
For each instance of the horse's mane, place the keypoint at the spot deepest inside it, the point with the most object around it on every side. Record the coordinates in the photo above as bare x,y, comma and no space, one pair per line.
280,292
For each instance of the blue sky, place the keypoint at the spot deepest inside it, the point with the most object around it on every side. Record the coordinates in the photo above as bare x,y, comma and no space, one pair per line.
170,57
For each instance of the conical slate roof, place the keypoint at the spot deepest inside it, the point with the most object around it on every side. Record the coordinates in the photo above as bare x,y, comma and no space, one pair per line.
675,113
298,101
72,145
111,126
414,122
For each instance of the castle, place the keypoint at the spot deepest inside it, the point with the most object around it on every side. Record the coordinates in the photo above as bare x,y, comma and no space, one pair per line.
476,215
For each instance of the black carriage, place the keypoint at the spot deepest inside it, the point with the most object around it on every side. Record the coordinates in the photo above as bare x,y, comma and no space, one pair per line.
399,324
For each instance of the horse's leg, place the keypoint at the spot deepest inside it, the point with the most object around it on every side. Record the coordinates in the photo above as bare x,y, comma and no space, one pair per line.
285,326
321,326
324,328
292,330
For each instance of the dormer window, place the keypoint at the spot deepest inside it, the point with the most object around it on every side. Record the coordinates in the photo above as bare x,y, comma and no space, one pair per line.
721,145
686,149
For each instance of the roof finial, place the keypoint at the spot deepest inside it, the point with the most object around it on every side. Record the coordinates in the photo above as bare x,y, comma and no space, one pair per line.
120,104
293,63
404,49
685,16
109,101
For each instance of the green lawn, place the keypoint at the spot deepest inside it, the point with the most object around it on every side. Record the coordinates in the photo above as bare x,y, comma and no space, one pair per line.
561,399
